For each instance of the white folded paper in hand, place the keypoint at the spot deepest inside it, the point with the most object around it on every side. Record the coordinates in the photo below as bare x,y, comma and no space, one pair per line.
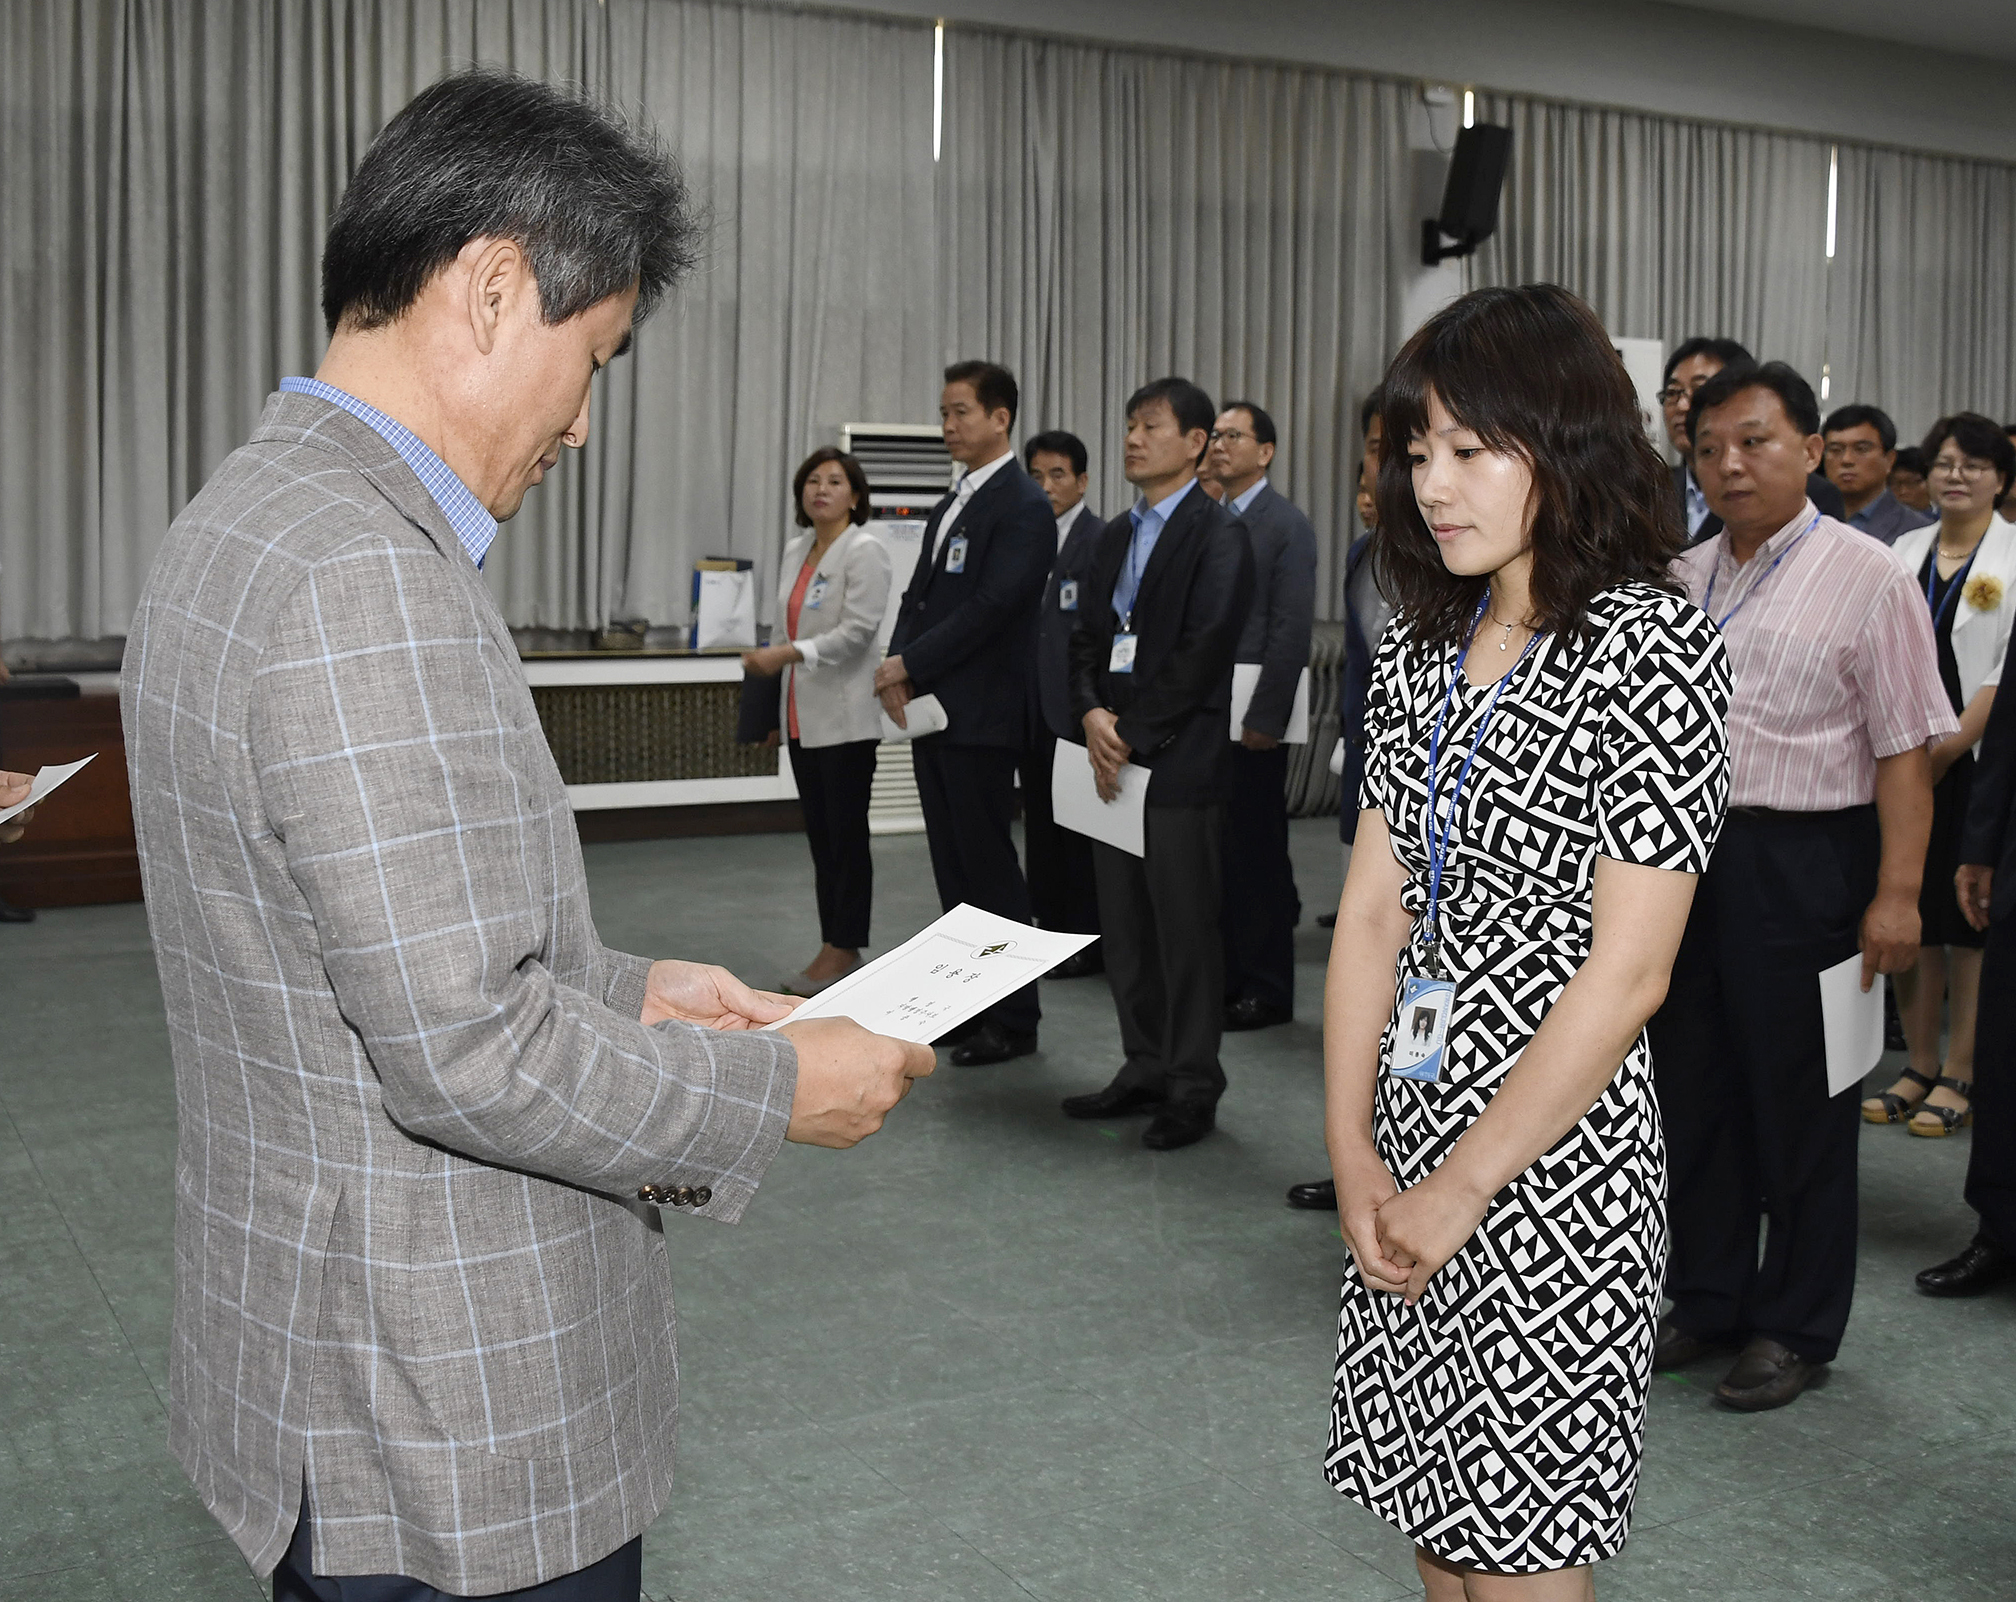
1246,679
1076,804
45,781
1852,1021
924,714
939,978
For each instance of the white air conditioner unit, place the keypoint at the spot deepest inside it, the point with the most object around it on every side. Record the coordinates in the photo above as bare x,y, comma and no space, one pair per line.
908,467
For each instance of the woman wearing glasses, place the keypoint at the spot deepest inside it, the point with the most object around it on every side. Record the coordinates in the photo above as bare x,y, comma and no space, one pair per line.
1546,771
1965,563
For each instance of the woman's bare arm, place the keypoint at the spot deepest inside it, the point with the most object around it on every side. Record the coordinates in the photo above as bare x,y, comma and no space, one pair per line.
1639,915
1372,926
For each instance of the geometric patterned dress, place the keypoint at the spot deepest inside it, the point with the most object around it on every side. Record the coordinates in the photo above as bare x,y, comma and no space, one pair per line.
1499,1421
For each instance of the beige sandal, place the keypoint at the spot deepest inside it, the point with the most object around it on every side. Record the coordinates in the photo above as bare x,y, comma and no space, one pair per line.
1948,1118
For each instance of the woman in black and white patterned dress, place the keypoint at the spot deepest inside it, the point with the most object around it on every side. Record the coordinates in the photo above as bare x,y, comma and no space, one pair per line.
1546,773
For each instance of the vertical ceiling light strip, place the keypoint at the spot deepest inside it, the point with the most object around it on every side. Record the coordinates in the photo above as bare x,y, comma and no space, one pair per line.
1827,335
938,90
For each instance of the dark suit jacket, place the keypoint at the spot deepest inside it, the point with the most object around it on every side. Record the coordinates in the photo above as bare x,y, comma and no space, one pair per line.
1052,700
966,637
1175,706
1284,606
1820,491
1358,653
1989,835
1889,519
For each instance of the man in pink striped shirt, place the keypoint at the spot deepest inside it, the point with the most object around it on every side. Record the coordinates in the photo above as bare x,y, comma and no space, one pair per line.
1835,701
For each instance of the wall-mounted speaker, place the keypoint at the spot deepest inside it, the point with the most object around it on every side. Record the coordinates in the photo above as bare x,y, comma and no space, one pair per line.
1470,196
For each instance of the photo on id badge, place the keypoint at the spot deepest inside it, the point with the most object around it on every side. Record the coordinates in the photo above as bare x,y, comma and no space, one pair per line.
1421,1028
955,554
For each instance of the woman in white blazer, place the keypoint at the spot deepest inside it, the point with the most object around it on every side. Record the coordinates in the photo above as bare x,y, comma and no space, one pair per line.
832,589
1966,566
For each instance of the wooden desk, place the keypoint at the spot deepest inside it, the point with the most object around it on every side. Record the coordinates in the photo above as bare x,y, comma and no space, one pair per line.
79,850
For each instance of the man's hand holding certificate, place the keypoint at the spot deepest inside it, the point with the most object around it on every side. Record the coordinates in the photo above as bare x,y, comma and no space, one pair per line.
938,979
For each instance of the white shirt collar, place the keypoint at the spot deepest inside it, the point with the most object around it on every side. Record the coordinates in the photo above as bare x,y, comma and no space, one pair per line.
974,477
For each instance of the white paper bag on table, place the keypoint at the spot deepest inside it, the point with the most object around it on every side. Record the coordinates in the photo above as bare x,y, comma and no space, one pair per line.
724,615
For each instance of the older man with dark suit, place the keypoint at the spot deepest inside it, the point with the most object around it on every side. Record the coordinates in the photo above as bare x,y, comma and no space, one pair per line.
1061,891
1151,682
423,1330
964,634
1261,905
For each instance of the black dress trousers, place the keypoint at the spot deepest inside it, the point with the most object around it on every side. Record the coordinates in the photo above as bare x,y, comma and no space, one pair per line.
619,1577
834,783
1739,1060
1991,1165
1061,892
1261,906
1163,957
968,796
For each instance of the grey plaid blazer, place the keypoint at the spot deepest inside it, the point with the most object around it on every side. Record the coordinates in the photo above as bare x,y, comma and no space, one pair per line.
416,1104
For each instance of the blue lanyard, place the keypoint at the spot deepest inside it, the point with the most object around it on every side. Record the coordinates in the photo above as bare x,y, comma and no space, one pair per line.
1438,843
1137,569
1954,585
1722,622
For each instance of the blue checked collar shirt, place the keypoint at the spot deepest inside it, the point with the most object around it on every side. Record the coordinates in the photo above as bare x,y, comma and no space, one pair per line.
1240,504
467,516
1149,521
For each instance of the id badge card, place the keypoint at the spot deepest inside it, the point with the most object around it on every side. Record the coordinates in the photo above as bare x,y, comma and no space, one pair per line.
1067,596
1421,1029
1122,659
816,593
955,554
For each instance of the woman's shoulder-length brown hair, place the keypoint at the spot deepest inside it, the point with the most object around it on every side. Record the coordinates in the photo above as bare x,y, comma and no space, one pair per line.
856,475
1531,372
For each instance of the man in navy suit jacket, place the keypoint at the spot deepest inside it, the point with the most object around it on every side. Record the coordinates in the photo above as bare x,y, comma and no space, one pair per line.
1151,681
964,634
1059,860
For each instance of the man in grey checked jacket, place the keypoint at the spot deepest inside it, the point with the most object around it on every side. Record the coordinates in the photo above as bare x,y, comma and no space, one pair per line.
423,1326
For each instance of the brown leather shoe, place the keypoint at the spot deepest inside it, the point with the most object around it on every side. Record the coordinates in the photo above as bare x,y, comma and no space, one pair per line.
1675,1348
1767,1375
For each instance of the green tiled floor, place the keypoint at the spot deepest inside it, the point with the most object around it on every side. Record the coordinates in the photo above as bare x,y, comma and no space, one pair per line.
991,1354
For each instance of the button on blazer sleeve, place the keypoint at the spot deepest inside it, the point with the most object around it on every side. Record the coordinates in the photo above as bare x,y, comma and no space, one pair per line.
383,765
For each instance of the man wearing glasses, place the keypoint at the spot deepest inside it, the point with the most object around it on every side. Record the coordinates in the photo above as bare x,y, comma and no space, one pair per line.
1689,367
1261,906
1861,451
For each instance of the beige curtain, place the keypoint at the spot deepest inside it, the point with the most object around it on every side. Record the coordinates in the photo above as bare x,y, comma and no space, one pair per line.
1110,216
1667,228
1099,216
1924,297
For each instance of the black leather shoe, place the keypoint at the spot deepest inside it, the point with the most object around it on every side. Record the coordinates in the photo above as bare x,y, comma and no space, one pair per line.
1174,1127
1080,964
1318,1196
1115,1101
1247,1013
1675,1348
1767,1375
991,1043
1981,1267
9,913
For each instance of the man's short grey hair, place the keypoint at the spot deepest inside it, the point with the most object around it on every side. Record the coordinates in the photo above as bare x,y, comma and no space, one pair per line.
596,204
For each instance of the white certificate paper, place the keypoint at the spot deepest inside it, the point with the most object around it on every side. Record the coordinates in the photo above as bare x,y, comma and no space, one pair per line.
922,715
1246,679
937,979
1075,803
45,781
1852,1021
